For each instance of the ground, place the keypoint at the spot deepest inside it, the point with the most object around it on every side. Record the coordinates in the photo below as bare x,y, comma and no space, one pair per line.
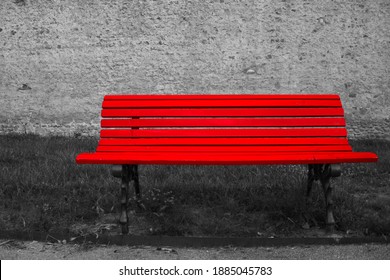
34,250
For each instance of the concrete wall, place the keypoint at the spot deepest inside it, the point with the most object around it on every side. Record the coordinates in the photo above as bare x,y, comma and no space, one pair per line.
58,58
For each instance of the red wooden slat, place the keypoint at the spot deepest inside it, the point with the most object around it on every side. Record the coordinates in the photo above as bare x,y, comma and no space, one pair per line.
221,141
219,96
224,159
194,103
233,112
219,122
295,132
224,149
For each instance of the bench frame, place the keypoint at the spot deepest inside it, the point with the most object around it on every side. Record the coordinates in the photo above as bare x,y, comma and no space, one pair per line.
316,172
128,174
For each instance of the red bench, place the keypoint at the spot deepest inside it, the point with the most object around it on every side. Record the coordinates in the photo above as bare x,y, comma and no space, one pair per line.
222,130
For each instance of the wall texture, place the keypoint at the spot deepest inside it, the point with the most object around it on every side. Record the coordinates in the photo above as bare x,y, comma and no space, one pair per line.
58,58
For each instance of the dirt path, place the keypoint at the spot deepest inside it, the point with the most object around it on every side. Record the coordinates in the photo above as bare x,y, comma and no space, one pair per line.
11,249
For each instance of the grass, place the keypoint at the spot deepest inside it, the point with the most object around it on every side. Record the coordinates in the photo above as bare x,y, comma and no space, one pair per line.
42,188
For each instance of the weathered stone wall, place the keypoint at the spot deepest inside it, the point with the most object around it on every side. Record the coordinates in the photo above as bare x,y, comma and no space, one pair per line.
58,58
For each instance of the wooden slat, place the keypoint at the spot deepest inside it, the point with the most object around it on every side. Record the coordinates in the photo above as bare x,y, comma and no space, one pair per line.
224,122
221,141
296,132
224,149
234,112
219,96
224,159
194,103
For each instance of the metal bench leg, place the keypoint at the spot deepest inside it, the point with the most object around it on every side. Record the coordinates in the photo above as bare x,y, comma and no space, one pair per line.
328,189
136,182
125,173
328,171
312,175
324,172
137,188
310,180
124,219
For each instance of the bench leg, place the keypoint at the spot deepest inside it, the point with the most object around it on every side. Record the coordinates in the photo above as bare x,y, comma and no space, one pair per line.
127,173
312,175
310,180
137,188
324,172
124,220
328,191
136,182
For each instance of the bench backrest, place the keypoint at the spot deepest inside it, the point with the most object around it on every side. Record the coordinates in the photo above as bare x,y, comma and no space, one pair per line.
285,123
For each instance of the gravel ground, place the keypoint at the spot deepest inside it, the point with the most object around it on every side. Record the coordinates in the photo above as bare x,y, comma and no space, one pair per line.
22,250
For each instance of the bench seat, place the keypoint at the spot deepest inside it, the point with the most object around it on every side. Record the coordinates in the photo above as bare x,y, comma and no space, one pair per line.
223,129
